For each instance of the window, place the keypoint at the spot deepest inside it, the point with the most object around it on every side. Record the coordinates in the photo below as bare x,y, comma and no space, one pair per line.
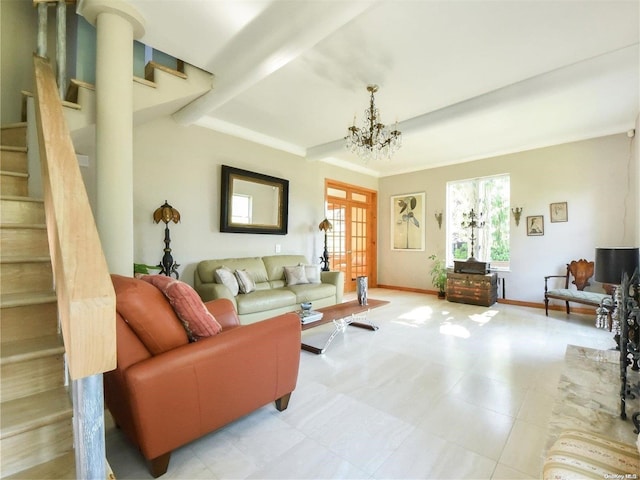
489,199
241,206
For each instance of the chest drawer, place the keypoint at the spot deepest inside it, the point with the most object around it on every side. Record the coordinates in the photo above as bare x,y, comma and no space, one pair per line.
474,289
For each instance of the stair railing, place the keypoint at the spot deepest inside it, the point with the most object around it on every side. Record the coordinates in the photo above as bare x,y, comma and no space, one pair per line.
86,300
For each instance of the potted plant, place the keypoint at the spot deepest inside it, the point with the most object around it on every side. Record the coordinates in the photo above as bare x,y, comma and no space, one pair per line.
438,275
143,269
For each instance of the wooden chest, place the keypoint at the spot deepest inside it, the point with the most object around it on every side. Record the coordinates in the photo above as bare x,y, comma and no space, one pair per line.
474,289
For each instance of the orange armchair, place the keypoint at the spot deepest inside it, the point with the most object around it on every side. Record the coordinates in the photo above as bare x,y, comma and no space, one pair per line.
166,392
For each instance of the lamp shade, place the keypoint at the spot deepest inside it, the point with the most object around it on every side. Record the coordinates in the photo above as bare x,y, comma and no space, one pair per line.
613,263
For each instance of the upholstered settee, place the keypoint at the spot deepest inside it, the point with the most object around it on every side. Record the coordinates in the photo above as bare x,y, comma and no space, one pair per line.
167,391
276,291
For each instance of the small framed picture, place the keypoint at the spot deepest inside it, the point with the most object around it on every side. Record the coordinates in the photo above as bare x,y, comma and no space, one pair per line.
558,212
535,225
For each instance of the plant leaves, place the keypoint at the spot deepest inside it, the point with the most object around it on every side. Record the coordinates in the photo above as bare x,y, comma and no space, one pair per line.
413,202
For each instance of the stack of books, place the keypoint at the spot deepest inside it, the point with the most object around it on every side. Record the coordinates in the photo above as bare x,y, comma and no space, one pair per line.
308,316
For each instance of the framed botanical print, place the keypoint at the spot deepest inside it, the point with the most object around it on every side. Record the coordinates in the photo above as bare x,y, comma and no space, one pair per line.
535,225
558,212
407,222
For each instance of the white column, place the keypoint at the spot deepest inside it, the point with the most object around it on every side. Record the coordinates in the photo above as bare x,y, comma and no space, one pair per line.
117,25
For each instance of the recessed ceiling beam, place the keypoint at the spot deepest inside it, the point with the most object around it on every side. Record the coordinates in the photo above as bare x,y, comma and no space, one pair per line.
275,38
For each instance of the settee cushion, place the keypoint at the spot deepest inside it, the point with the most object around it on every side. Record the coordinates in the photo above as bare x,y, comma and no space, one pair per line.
295,275
245,281
264,300
581,296
310,292
226,277
149,314
312,273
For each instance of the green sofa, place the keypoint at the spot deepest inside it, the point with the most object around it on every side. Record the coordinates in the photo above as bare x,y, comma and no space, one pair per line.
272,295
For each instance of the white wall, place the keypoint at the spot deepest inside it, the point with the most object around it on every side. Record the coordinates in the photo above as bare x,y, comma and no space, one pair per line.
591,176
182,165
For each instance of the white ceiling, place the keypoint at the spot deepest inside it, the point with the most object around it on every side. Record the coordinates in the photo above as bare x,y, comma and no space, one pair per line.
464,79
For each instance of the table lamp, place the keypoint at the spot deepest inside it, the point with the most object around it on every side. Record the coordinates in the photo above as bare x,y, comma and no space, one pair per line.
325,225
166,213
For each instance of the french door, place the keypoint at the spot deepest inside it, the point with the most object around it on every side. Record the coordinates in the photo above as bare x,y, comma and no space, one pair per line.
352,241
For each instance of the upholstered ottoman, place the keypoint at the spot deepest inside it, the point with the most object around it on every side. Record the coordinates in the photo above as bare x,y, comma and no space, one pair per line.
580,455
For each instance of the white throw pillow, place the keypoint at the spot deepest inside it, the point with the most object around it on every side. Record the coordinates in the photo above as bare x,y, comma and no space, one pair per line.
312,273
245,281
226,277
295,275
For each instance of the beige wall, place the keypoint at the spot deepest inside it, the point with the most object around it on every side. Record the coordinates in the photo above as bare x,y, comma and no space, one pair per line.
182,165
18,28
591,176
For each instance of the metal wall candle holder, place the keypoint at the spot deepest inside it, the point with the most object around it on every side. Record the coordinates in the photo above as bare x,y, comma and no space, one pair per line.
517,212
439,220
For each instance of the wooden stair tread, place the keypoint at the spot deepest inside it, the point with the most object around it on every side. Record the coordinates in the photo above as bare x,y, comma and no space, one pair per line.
23,226
10,148
30,348
144,81
62,467
24,259
19,198
65,103
13,125
9,300
151,66
28,413
14,174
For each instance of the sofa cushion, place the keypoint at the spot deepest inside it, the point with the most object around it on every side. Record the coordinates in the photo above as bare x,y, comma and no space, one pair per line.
274,264
206,268
312,273
263,300
310,291
295,275
245,281
226,277
149,314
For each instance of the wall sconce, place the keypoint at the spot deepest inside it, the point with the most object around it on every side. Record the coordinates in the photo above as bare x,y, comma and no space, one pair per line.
325,225
167,213
517,211
438,216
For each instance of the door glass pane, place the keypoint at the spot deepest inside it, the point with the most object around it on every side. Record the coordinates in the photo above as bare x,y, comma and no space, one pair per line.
335,192
336,238
358,241
358,197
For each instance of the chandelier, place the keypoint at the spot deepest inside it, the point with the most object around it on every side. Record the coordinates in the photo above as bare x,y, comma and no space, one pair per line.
374,140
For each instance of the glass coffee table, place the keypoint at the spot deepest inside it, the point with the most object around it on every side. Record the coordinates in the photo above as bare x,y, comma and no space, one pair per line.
342,315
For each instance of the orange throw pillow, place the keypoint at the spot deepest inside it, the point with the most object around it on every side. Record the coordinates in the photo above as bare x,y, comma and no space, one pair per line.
196,319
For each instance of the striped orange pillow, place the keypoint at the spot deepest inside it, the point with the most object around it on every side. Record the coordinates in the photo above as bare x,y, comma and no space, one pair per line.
196,319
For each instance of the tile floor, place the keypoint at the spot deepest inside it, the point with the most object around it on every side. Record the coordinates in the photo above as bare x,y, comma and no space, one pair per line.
441,390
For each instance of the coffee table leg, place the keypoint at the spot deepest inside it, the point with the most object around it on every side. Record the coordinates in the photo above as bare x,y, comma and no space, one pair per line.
318,351
340,326
362,321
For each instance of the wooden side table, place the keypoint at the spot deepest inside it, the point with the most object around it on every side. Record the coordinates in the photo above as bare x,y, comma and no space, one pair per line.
474,289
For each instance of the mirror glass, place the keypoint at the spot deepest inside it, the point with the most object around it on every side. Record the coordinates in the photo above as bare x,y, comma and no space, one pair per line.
252,202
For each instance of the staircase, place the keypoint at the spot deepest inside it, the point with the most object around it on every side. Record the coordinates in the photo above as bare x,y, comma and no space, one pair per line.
36,432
